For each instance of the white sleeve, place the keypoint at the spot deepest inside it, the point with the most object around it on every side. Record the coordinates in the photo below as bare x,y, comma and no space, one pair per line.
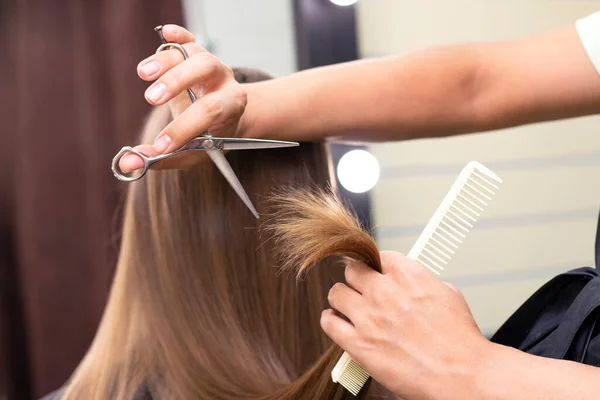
588,29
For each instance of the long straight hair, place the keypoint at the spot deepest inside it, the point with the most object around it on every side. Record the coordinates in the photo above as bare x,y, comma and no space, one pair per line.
198,308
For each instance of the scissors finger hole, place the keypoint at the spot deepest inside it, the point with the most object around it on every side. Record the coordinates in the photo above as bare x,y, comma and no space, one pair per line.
130,176
128,165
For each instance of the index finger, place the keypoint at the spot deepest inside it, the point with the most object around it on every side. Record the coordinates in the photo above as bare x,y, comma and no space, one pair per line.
392,260
177,34
340,331
394,263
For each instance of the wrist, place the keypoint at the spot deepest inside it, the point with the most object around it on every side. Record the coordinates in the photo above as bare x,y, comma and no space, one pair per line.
496,373
273,113
254,121
246,122
465,375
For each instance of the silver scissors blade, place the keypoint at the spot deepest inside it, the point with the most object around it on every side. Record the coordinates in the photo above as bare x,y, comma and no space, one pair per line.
221,162
252,144
208,142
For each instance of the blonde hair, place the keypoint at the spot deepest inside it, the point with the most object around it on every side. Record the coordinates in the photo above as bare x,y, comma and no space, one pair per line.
198,310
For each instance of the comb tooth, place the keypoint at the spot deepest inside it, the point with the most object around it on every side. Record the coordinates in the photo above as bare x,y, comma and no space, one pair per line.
434,240
453,238
463,212
430,257
449,235
477,206
457,224
431,247
353,377
479,192
353,385
485,179
466,208
445,239
464,221
433,254
480,185
472,196
488,175
430,261
447,225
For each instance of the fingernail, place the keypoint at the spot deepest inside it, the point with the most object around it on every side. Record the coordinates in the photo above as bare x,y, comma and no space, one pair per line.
150,68
157,91
162,143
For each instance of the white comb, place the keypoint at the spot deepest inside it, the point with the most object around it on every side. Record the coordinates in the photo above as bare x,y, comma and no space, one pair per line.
444,232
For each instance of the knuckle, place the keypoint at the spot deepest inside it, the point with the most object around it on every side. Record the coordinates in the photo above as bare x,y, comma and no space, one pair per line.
228,70
173,130
333,294
211,64
212,107
173,78
239,99
415,269
380,321
379,297
350,272
172,57
327,323
402,269
325,320
384,294
193,48
242,97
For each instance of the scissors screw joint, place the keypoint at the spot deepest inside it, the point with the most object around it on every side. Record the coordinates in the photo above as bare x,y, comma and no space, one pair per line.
208,144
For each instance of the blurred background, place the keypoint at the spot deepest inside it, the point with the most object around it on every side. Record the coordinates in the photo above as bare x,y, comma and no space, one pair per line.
71,99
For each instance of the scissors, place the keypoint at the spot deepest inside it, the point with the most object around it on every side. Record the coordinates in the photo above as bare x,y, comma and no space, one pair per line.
213,146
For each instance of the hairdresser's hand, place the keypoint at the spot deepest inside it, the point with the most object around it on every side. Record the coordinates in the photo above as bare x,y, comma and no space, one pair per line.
220,102
412,332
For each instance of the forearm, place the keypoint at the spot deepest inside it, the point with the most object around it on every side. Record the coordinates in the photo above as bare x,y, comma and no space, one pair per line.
439,91
426,93
512,374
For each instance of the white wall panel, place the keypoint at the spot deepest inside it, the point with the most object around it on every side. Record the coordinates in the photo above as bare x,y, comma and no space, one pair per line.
543,220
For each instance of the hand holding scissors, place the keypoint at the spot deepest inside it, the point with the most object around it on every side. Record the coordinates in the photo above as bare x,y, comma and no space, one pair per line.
213,146
220,107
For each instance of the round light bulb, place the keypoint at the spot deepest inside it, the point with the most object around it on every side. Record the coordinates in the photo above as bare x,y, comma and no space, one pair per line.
343,2
358,171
